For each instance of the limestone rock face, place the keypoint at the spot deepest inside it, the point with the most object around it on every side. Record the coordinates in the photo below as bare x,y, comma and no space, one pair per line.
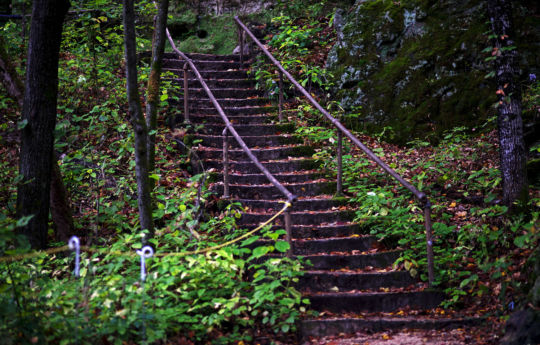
418,65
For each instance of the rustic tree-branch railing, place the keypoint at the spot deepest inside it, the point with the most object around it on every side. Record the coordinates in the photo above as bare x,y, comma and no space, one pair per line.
421,196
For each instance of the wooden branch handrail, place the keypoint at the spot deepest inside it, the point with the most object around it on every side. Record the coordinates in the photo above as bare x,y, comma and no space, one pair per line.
290,197
421,196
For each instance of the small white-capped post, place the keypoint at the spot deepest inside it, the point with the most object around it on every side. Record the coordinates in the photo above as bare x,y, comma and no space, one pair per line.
144,253
75,244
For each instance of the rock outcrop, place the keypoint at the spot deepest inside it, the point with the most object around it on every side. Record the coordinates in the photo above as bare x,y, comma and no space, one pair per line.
419,65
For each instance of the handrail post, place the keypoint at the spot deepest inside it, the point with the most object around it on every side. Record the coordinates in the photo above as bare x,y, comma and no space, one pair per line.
339,183
186,94
288,229
429,242
225,163
280,96
241,44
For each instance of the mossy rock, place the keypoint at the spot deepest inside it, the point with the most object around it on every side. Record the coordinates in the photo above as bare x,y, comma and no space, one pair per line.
418,66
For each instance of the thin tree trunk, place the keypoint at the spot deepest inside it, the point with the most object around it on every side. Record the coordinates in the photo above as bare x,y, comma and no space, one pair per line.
154,80
10,79
137,120
39,113
59,202
513,153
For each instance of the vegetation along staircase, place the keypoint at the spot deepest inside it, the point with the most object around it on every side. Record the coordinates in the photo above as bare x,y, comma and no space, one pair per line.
351,281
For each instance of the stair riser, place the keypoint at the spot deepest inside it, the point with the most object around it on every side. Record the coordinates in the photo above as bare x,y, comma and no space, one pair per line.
217,142
242,120
261,179
375,302
269,154
203,65
214,83
195,57
307,247
327,262
196,103
271,192
273,167
345,282
197,93
248,130
299,218
207,75
314,231
299,205
235,111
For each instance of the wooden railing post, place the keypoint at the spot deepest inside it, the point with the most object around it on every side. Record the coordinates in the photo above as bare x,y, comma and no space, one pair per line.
186,94
288,228
339,184
280,96
429,242
241,44
225,163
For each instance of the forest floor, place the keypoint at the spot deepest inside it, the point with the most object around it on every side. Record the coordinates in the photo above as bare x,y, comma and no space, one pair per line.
457,336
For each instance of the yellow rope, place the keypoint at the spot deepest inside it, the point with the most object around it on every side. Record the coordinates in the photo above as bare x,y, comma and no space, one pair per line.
131,254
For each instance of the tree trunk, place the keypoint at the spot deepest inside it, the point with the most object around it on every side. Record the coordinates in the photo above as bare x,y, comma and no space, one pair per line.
39,113
59,202
154,80
137,120
61,214
513,153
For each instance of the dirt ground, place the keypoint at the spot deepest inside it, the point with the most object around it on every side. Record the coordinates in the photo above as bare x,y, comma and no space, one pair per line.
414,337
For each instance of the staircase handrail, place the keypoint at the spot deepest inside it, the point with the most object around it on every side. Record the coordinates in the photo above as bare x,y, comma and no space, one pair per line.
290,197
421,196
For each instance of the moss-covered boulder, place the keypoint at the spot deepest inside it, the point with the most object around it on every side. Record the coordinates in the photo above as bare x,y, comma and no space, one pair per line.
418,65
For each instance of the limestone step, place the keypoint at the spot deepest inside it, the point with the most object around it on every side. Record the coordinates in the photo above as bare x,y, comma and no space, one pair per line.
219,93
354,302
352,261
263,154
208,109
348,325
209,75
203,65
212,83
196,103
251,141
305,218
316,231
269,191
345,281
296,177
277,166
251,129
302,204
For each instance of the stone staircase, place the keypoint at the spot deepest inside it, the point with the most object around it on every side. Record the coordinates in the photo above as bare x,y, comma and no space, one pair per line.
350,282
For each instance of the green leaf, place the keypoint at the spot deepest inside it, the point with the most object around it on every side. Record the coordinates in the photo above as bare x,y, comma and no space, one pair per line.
249,241
21,124
282,246
260,251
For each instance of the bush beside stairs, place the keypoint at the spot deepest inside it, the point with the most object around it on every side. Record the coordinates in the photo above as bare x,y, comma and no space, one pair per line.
351,282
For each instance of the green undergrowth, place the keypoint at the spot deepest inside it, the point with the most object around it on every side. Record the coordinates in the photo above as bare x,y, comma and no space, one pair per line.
223,296
206,297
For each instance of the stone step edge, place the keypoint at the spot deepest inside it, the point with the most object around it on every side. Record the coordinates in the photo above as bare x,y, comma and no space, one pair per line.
335,326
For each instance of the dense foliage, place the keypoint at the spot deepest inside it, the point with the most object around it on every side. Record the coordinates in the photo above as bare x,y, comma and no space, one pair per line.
222,295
